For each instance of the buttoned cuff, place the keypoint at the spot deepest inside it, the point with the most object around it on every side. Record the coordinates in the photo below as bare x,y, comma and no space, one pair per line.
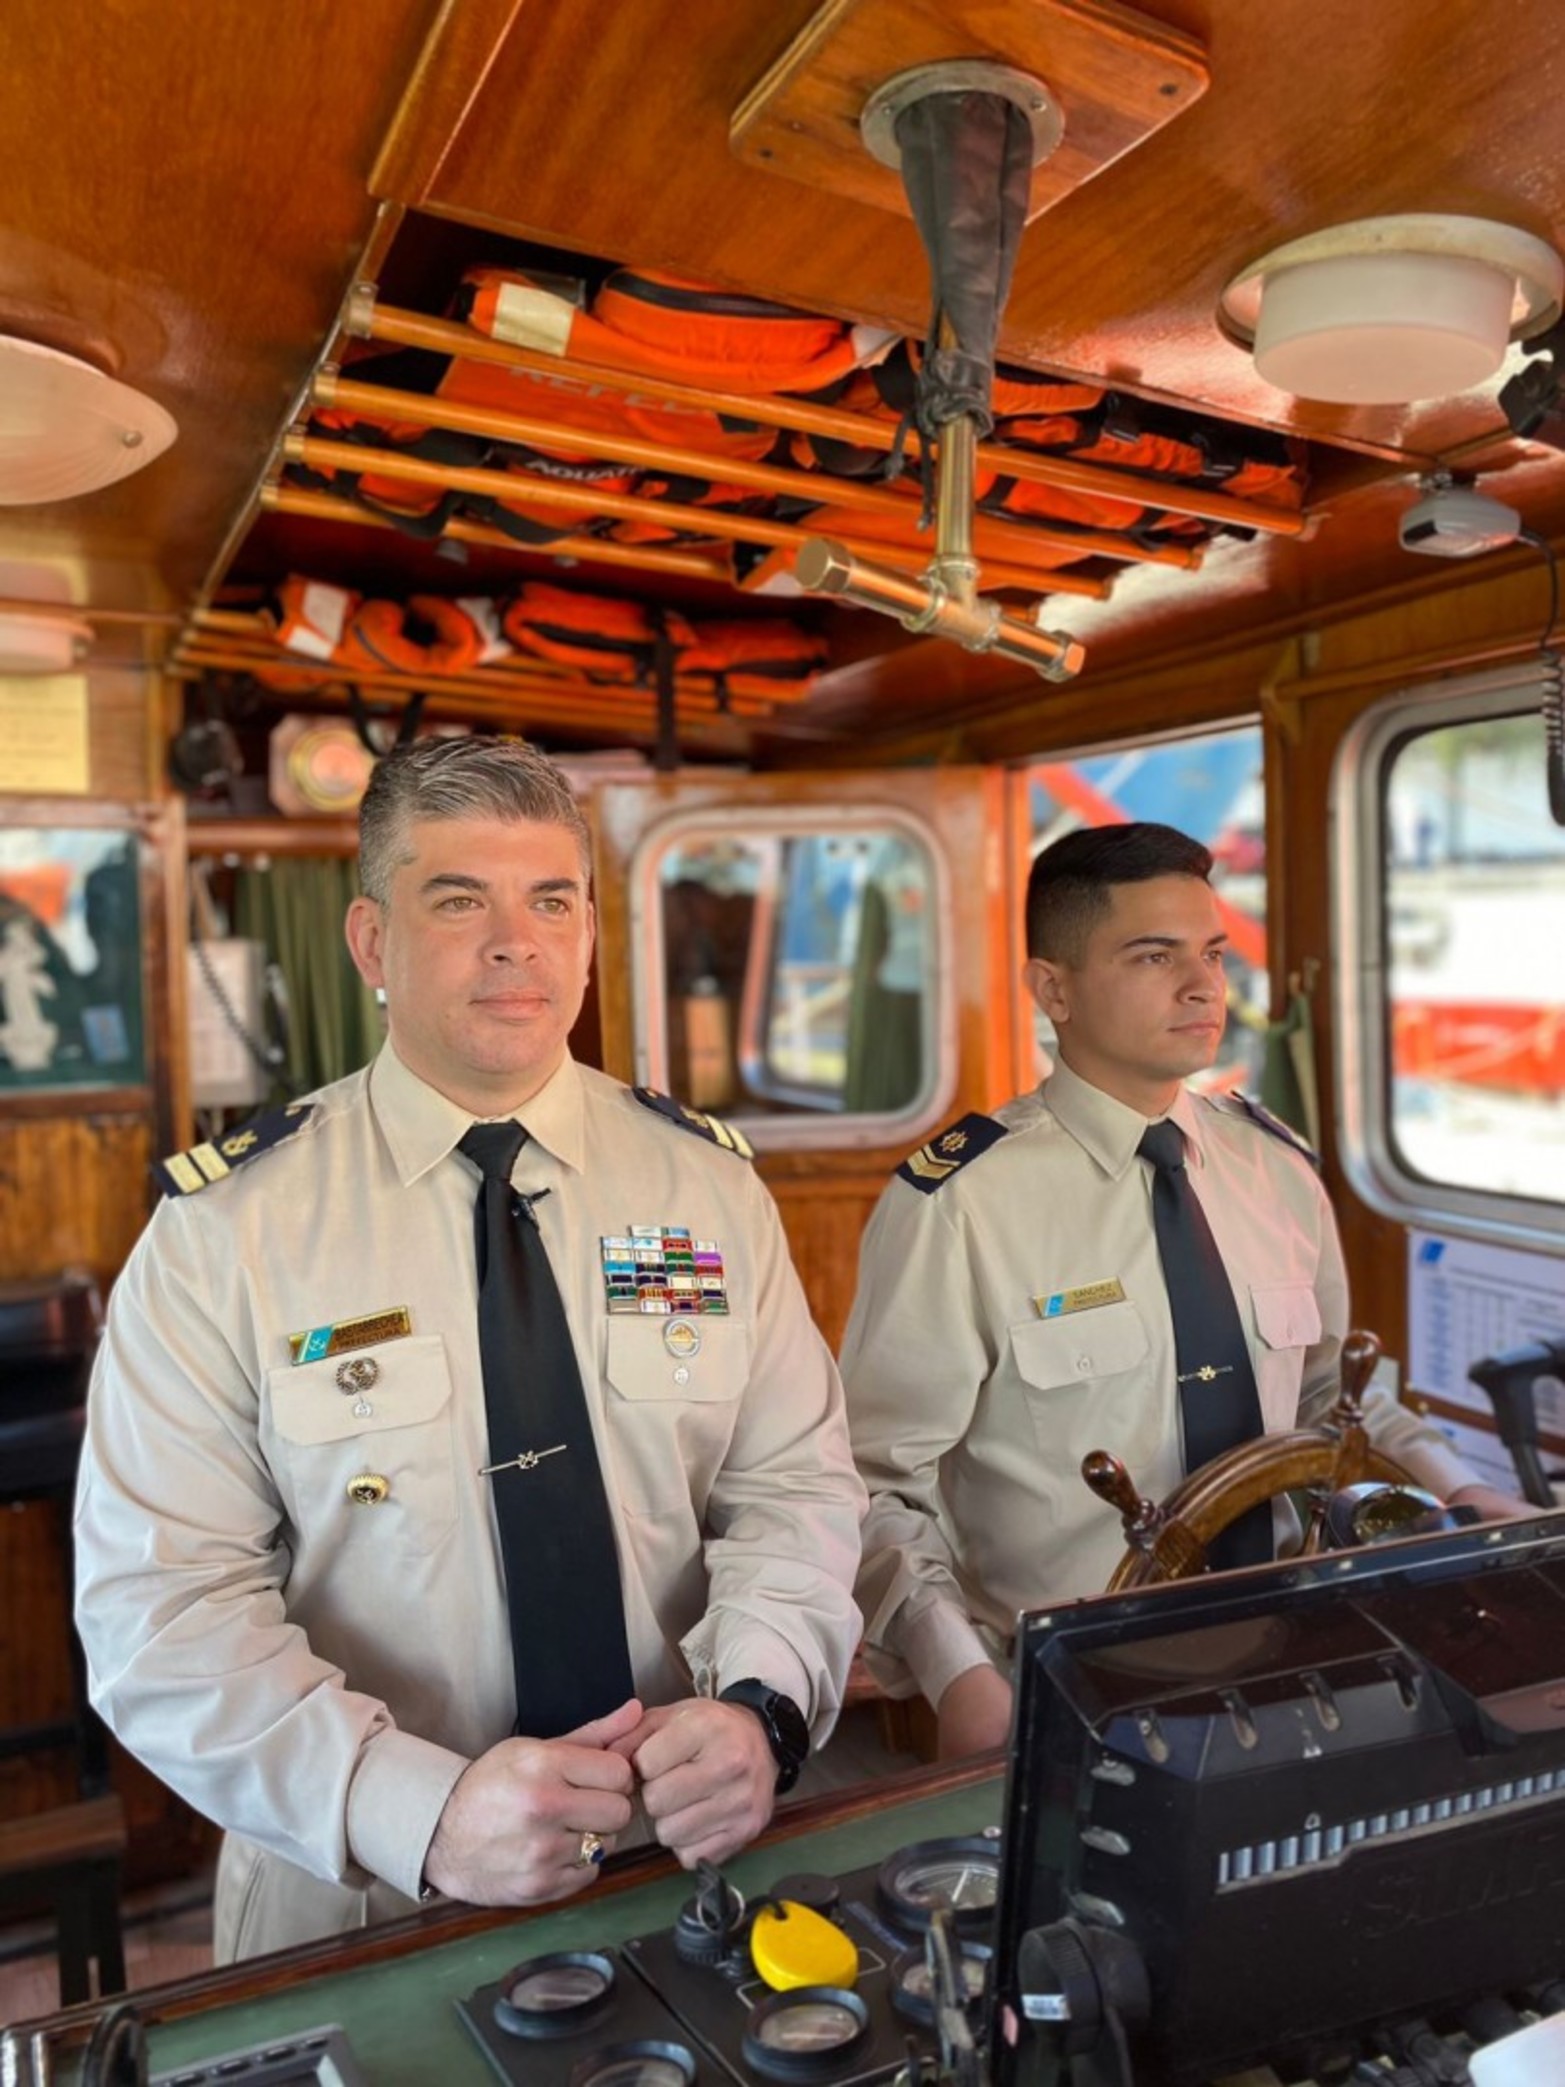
1434,1464
741,1652
939,1641
398,1793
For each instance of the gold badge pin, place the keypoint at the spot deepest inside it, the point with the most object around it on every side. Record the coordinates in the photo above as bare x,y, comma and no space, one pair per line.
322,1341
1089,1298
368,1489
682,1339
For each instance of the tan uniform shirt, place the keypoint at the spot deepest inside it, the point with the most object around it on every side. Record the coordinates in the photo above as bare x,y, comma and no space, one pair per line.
315,1673
971,1412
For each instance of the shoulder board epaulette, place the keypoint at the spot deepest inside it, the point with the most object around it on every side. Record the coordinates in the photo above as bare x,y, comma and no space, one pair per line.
1263,1119
712,1127
182,1173
937,1161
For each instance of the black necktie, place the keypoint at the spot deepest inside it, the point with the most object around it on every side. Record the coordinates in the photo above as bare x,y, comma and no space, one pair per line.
556,1533
1219,1405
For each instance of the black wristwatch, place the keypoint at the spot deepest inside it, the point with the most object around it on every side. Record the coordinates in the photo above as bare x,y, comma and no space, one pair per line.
787,1734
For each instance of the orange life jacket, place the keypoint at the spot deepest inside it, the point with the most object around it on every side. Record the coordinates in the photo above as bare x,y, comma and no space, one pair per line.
311,617
418,511
757,658
771,571
426,634
1151,442
670,326
608,638
1014,391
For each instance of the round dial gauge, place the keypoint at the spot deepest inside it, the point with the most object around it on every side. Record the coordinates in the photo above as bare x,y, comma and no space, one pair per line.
805,2034
913,1986
961,1876
648,2063
555,1995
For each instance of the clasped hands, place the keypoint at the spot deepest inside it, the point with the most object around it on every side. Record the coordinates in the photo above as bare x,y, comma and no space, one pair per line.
513,1829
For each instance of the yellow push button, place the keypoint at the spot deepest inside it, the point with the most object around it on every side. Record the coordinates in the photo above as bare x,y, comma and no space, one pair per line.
793,1945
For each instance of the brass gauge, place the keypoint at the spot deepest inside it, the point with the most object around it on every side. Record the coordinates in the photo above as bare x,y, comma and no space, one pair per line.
557,1995
961,1877
912,1982
804,2035
648,2062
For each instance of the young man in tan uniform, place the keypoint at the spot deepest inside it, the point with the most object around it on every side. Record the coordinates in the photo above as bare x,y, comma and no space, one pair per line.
290,1580
1012,1312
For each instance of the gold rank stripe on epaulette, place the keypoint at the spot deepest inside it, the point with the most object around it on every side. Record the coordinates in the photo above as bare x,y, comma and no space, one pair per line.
704,1126
933,1164
183,1173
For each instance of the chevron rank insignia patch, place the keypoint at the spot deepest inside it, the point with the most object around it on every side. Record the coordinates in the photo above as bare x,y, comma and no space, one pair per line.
1274,1127
183,1173
710,1127
937,1161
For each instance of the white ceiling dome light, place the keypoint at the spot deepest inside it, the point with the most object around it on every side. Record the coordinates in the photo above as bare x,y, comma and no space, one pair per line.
1391,309
66,428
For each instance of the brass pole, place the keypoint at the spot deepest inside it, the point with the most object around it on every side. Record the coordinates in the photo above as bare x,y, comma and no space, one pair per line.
825,567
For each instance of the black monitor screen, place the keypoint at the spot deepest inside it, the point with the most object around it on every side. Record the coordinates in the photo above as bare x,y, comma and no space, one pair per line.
1251,1815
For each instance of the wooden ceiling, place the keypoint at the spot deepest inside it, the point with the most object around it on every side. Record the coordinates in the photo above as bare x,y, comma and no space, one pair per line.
191,191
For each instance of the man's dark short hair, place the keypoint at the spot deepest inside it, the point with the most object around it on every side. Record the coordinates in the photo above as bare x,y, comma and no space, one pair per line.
1068,891
476,777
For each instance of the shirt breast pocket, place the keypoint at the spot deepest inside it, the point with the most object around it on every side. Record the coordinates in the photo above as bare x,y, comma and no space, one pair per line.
672,1403
363,1446
1079,1347
1082,1393
1287,1315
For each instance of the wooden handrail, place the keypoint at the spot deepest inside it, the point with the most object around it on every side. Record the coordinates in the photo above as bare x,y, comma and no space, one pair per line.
325,507
563,700
815,487
660,558
388,323
248,640
317,453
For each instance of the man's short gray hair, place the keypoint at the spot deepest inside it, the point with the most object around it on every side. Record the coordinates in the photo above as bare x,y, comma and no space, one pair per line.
473,778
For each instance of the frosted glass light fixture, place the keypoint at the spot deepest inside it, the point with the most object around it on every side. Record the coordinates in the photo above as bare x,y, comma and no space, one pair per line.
66,428
1390,309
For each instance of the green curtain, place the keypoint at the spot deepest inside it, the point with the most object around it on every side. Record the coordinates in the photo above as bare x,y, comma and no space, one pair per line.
1288,1084
885,1051
295,908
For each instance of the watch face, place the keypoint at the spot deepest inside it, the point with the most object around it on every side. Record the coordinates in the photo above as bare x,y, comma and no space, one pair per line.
787,1733
792,1731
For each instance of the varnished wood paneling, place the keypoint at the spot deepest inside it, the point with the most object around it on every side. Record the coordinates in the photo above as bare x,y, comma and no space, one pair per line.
824,1219
186,189
1114,74
73,1190
826,1194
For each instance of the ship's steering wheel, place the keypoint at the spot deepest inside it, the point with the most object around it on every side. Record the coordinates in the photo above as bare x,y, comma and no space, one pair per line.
1170,1541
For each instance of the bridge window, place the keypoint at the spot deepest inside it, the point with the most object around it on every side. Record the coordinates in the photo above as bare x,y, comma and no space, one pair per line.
1451,898
1210,785
791,966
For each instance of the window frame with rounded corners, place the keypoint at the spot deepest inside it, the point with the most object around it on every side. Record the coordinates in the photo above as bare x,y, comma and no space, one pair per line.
799,1127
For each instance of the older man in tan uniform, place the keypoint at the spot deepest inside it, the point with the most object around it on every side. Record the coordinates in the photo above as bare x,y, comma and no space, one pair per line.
290,1588
1012,1312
